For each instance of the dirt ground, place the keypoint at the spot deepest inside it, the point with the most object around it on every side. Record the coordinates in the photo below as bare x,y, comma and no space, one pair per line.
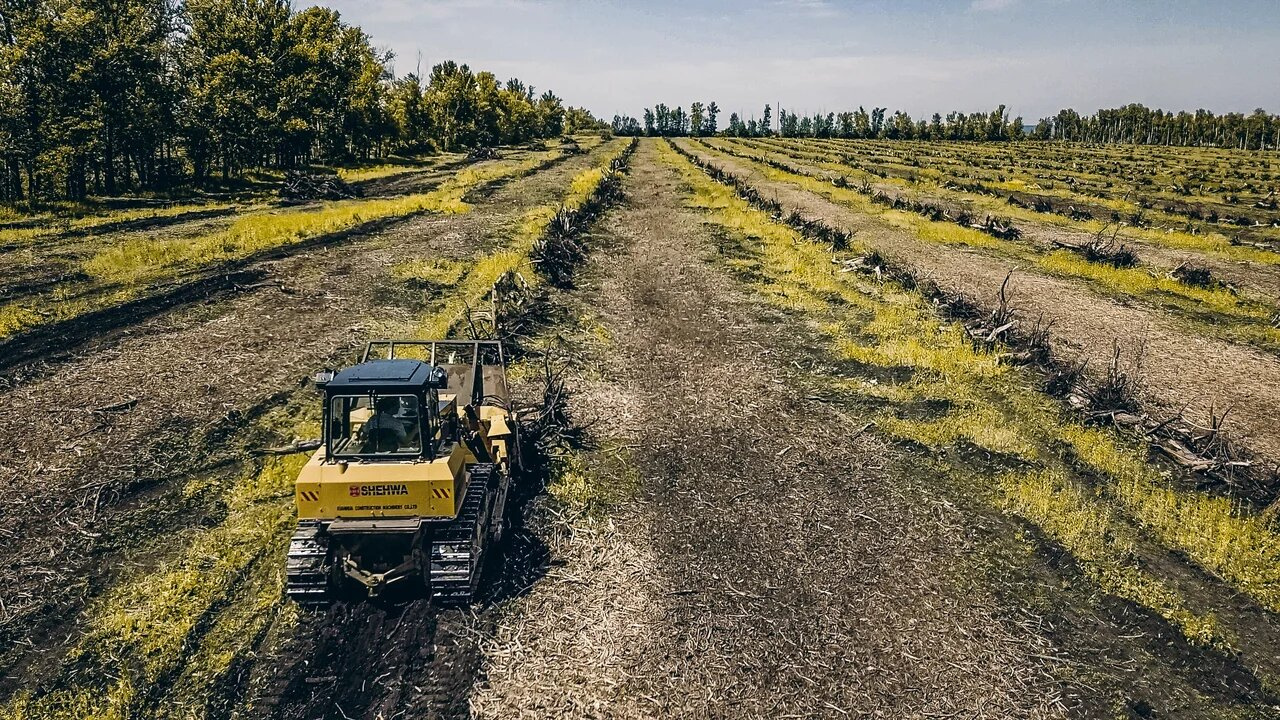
104,441
1184,370
753,550
770,567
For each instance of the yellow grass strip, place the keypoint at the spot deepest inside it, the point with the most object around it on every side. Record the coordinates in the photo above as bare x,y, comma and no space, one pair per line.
1214,310
983,403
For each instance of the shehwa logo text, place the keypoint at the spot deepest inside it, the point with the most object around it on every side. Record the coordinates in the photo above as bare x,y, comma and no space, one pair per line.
367,490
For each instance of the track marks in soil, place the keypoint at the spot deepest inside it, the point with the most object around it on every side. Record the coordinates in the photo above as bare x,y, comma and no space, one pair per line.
979,404
1184,371
787,570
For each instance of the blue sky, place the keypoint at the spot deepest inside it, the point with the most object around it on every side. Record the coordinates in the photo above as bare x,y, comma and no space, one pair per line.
922,56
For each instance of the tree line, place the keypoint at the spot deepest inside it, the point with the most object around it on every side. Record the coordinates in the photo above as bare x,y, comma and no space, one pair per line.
1137,124
109,96
662,121
1131,124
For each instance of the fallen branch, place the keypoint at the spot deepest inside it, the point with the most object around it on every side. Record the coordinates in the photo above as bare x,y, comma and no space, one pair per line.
296,447
122,406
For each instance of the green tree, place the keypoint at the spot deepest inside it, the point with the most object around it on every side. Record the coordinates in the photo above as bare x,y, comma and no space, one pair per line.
696,119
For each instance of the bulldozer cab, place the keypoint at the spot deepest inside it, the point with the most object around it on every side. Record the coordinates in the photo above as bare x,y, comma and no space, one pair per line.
382,410
402,401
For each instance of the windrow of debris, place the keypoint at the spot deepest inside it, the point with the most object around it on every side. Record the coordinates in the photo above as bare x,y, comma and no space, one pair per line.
302,186
1110,396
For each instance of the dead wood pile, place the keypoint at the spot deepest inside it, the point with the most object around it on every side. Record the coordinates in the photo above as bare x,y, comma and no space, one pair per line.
300,186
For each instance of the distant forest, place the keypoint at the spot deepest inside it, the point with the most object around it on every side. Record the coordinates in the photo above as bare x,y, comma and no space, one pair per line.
108,96
1131,124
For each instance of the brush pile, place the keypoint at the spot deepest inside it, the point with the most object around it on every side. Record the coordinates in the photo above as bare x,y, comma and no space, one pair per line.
300,186
1194,275
1104,250
483,153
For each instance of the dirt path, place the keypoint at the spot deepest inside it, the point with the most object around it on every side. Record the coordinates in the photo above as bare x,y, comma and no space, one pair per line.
734,542
1181,369
1264,280
101,445
769,568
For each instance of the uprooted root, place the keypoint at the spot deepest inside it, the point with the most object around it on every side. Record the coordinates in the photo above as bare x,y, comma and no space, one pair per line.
548,429
1117,389
1105,250
483,153
1195,275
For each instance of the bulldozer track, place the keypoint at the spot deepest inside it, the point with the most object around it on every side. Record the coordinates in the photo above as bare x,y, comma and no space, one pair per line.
454,571
457,550
308,565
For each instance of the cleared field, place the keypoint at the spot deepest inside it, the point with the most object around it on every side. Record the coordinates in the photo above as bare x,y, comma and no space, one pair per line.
1183,337
815,465
75,283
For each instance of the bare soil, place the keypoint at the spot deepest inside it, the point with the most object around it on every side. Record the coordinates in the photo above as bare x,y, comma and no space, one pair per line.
100,443
1183,370
756,550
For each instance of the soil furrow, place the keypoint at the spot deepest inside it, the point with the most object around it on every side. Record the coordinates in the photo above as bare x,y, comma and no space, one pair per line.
767,566
1182,371
119,429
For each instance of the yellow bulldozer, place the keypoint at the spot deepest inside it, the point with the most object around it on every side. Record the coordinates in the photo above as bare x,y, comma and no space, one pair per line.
409,487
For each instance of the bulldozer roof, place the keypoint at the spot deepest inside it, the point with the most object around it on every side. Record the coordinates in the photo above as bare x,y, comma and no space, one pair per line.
399,374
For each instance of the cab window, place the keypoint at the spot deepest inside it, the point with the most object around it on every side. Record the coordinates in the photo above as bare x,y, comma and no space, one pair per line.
374,425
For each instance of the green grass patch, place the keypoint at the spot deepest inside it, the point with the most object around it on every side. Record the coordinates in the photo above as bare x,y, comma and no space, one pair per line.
144,259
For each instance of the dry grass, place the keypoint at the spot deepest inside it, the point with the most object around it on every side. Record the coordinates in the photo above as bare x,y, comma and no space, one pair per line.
1213,310
991,406
574,659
